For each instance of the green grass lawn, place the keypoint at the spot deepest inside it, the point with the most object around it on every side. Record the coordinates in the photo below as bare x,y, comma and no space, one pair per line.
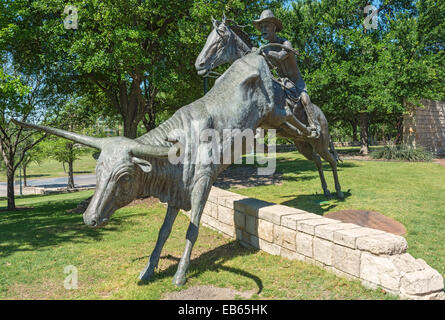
36,244
52,169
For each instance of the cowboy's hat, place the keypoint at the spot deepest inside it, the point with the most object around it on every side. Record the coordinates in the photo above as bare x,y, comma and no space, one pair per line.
267,15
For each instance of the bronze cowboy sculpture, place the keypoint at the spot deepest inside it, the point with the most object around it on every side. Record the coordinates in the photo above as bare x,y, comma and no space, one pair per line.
228,42
284,62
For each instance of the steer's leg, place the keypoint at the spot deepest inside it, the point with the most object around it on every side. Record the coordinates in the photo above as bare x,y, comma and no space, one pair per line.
166,228
199,197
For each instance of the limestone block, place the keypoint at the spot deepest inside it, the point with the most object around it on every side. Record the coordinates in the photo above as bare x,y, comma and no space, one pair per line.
291,255
440,295
308,226
250,206
246,237
209,220
214,193
323,251
265,230
251,225
349,237
211,209
385,243
313,262
270,247
226,215
265,245
230,200
327,231
381,271
421,282
304,244
340,273
285,237
346,260
238,234
240,220
227,229
274,213
406,263
290,221
218,225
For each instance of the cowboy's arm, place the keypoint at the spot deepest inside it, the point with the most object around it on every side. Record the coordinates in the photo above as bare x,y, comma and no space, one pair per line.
283,54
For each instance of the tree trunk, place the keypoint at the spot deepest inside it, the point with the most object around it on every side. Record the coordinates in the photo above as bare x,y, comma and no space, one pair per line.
25,184
10,187
399,127
363,118
150,123
130,128
70,175
354,132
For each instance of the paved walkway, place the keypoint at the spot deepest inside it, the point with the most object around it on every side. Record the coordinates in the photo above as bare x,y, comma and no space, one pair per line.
440,161
80,181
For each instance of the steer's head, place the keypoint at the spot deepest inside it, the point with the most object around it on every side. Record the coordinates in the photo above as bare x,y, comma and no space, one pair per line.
120,166
118,179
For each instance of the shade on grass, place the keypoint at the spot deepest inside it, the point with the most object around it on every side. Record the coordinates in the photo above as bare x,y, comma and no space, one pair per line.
37,244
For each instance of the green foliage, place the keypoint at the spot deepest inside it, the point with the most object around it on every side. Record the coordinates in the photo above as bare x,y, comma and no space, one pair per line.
403,152
62,150
349,69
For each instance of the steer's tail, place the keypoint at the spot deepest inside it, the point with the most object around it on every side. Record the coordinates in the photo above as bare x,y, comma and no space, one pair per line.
333,151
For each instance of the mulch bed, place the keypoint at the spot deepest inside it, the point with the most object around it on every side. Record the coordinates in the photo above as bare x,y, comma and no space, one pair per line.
370,219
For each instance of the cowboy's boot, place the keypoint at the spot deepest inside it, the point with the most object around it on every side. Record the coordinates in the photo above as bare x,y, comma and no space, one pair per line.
314,126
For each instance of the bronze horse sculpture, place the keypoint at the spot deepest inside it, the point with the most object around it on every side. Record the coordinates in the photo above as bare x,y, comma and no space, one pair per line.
227,43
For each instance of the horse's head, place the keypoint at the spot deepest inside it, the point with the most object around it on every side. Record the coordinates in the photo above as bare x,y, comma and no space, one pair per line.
223,45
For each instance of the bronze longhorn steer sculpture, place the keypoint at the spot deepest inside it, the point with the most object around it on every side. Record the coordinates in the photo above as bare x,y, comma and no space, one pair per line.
245,97
227,43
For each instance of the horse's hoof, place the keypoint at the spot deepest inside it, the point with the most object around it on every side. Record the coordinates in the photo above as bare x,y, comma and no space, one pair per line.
179,280
327,194
340,195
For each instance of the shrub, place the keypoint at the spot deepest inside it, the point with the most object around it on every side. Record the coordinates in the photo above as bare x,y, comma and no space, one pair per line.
403,152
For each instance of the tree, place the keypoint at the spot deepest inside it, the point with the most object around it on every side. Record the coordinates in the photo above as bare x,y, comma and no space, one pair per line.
140,54
65,152
358,75
34,154
76,115
17,100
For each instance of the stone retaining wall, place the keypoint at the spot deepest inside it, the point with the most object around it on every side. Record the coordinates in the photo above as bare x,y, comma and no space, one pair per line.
377,258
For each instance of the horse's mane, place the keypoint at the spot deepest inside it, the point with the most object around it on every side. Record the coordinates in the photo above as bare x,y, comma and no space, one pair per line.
240,33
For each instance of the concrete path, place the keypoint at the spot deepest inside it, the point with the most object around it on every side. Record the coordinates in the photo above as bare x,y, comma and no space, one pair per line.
80,181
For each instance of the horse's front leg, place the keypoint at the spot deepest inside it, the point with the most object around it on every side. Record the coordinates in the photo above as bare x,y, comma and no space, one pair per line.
199,197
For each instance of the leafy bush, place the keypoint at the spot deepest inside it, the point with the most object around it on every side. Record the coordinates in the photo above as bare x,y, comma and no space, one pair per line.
403,151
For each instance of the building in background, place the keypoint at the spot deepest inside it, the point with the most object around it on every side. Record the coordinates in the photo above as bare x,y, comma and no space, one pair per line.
425,126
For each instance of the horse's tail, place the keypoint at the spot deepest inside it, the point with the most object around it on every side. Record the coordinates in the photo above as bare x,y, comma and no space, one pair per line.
333,151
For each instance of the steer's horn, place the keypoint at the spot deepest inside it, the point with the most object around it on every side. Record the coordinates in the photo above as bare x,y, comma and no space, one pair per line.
142,150
80,138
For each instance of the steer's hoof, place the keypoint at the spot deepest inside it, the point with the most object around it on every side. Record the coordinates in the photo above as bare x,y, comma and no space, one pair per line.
179,280
146,274
327,194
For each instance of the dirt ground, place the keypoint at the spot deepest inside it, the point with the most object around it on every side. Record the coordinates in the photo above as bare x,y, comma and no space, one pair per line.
207,293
